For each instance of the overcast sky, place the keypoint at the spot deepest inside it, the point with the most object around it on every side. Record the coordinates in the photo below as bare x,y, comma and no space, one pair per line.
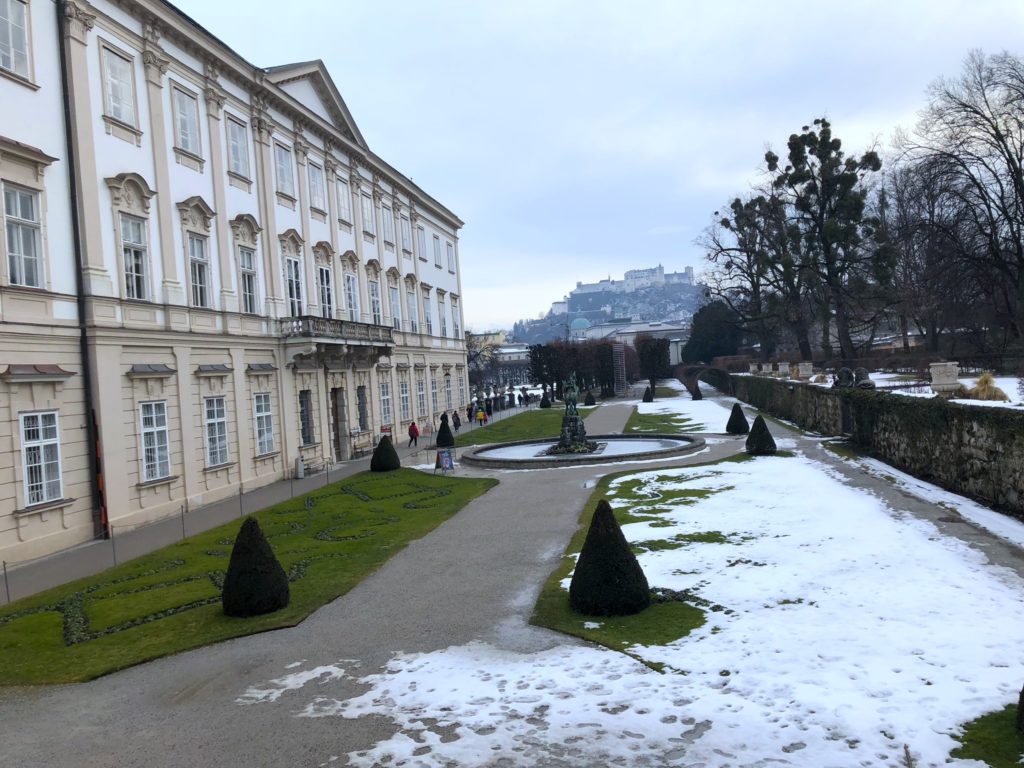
580,139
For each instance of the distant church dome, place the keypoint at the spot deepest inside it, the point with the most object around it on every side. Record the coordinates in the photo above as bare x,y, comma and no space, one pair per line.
579,324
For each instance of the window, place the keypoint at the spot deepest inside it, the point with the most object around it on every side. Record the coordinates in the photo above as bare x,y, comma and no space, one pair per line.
428,321
247,272
317,188
293,278
264,423
421,395
410,305
40,454
199,270
14,36
369,225
156,461
216,421
361,409
456,329
238,148
448,391
284,170
344,201
306,417
133,248
451,256
326,291
442,317
186,122
403,399
406,235
462,391
385,402
433,391
352,297
389,223
119,89
437,251
421,242
396,307
21,214
375,310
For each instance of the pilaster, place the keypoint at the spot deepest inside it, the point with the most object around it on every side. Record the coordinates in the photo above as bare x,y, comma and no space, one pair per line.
272,269
77,24
215,98
302,166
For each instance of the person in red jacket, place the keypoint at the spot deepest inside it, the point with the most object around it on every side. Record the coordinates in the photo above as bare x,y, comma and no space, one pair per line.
414,435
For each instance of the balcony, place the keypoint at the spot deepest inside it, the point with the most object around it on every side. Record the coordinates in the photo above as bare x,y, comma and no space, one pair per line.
326,329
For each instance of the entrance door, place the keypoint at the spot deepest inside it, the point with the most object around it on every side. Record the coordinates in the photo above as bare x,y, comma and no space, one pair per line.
339,418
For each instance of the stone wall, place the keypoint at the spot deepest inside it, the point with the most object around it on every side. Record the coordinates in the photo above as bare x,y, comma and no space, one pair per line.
977,451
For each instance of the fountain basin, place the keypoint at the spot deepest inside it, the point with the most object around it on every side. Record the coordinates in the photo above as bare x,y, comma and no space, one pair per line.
529,454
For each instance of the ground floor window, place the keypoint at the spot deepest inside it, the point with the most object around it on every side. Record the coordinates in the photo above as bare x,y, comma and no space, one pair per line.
421,396
306,417
462,391
403,399
40,454
264,423
215,416
433,392
385,402
156,460
448,391
361,409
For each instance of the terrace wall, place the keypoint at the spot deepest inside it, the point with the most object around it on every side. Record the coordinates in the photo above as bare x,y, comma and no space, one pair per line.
977,451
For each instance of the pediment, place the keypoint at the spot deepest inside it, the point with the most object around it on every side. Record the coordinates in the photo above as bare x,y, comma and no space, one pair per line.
310,84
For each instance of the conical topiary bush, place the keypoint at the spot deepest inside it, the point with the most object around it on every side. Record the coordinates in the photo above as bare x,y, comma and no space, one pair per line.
445,438
255,583
648,395
544,402
589,399
737,421
760,441
385,457
608,580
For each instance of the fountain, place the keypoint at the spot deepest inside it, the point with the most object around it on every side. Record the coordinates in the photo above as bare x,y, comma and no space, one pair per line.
573,447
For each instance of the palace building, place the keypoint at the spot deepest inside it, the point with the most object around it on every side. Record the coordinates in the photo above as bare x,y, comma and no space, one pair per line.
206,276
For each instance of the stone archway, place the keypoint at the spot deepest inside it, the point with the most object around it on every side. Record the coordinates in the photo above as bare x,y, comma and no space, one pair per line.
691,374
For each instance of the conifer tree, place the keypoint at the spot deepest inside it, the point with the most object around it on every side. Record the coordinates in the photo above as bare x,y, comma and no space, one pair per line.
255,582
385,457
760,441
445,438
737,421
608,580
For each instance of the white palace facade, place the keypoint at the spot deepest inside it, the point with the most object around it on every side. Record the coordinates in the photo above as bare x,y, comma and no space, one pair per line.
206,274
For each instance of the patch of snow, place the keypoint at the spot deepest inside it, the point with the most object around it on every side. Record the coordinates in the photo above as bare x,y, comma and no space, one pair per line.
274,689
844,630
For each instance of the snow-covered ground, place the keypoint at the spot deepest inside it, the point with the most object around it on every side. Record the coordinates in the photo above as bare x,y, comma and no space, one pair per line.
851,629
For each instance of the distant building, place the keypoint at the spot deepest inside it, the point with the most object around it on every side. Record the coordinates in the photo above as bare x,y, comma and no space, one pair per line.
626,331
635,280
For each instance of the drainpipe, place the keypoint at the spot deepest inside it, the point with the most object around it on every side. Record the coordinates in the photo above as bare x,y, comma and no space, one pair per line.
100,521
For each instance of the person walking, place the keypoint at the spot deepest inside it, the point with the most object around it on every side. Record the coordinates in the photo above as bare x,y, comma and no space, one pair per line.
456,421
414,435
481,417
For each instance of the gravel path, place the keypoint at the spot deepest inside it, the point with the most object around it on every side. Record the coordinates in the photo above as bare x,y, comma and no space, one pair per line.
476,577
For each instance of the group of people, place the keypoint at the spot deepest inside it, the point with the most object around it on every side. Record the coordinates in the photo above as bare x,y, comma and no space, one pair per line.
414,431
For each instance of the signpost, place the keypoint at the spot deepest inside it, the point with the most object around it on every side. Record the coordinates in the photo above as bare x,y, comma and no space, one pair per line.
444,461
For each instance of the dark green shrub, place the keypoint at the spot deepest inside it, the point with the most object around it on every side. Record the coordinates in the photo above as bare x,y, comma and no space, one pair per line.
608,580
255,582
648,395
445,438
385,457
544,402
760,441
589,399
737,421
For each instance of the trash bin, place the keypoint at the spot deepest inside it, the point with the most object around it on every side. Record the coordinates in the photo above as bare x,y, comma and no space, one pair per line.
300,468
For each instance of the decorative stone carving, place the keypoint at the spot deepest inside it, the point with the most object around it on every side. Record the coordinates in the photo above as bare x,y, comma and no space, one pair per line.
944,377
130,191
195,213
77,21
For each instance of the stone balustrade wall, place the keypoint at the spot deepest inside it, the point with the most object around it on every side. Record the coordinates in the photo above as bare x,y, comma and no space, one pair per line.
977,451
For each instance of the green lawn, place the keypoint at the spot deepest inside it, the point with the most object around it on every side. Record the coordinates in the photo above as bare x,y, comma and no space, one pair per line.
535,424
993,739
169,600
661,423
